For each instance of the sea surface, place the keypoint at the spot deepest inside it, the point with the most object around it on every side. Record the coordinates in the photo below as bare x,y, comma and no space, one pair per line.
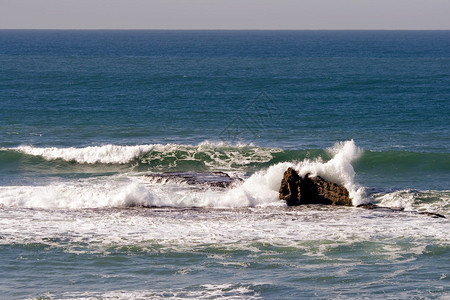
85,116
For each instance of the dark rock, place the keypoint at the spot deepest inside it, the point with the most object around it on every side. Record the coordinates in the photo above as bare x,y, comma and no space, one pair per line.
212,179
321,191
368,206
296,190
290,188
397,209
374,206
433,215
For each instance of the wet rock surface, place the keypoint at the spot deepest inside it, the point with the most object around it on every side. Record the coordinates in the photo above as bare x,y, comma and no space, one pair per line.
297,190
212,179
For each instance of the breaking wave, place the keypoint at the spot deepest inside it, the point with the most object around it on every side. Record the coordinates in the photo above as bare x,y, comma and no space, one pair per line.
114,175
206,155
210,156
133,189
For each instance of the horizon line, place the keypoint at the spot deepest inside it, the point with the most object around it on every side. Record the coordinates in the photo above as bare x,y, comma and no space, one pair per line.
222,29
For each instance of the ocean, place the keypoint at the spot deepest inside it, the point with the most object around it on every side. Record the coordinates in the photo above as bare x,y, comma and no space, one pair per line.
91,122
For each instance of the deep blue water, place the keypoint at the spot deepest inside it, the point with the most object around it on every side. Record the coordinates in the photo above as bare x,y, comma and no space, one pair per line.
386,90
84,114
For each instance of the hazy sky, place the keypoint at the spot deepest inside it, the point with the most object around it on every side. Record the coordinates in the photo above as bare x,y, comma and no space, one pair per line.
225,14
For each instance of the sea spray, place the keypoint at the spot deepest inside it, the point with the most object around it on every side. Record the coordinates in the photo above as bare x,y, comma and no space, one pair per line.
339,169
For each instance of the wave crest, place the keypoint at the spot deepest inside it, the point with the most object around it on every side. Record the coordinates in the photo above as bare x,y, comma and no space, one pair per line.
206,155
107,154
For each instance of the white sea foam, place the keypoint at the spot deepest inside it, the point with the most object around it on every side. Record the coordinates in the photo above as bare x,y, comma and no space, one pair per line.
113,192
181,230
397,199
415,200
95,193
95,154
204,291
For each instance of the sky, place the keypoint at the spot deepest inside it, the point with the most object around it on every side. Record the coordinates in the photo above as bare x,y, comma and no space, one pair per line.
225,14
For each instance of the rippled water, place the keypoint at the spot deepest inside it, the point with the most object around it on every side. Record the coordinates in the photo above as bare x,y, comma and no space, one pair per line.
86,115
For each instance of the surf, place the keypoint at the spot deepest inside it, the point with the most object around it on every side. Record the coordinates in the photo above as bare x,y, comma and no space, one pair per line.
134,189
114,176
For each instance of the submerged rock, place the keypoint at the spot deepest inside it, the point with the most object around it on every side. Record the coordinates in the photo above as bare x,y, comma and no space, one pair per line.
393,209
296,190
212,179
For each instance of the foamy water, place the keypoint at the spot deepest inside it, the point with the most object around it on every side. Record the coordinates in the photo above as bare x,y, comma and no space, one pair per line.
312,244
181,229
185,229
204,291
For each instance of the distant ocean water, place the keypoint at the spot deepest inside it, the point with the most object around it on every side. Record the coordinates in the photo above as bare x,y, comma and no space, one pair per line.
85,115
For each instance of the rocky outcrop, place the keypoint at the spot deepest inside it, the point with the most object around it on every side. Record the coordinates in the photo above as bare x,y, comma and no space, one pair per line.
211,179
297,190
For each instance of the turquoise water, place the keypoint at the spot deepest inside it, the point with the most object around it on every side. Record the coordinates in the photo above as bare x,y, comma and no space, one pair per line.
85,115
